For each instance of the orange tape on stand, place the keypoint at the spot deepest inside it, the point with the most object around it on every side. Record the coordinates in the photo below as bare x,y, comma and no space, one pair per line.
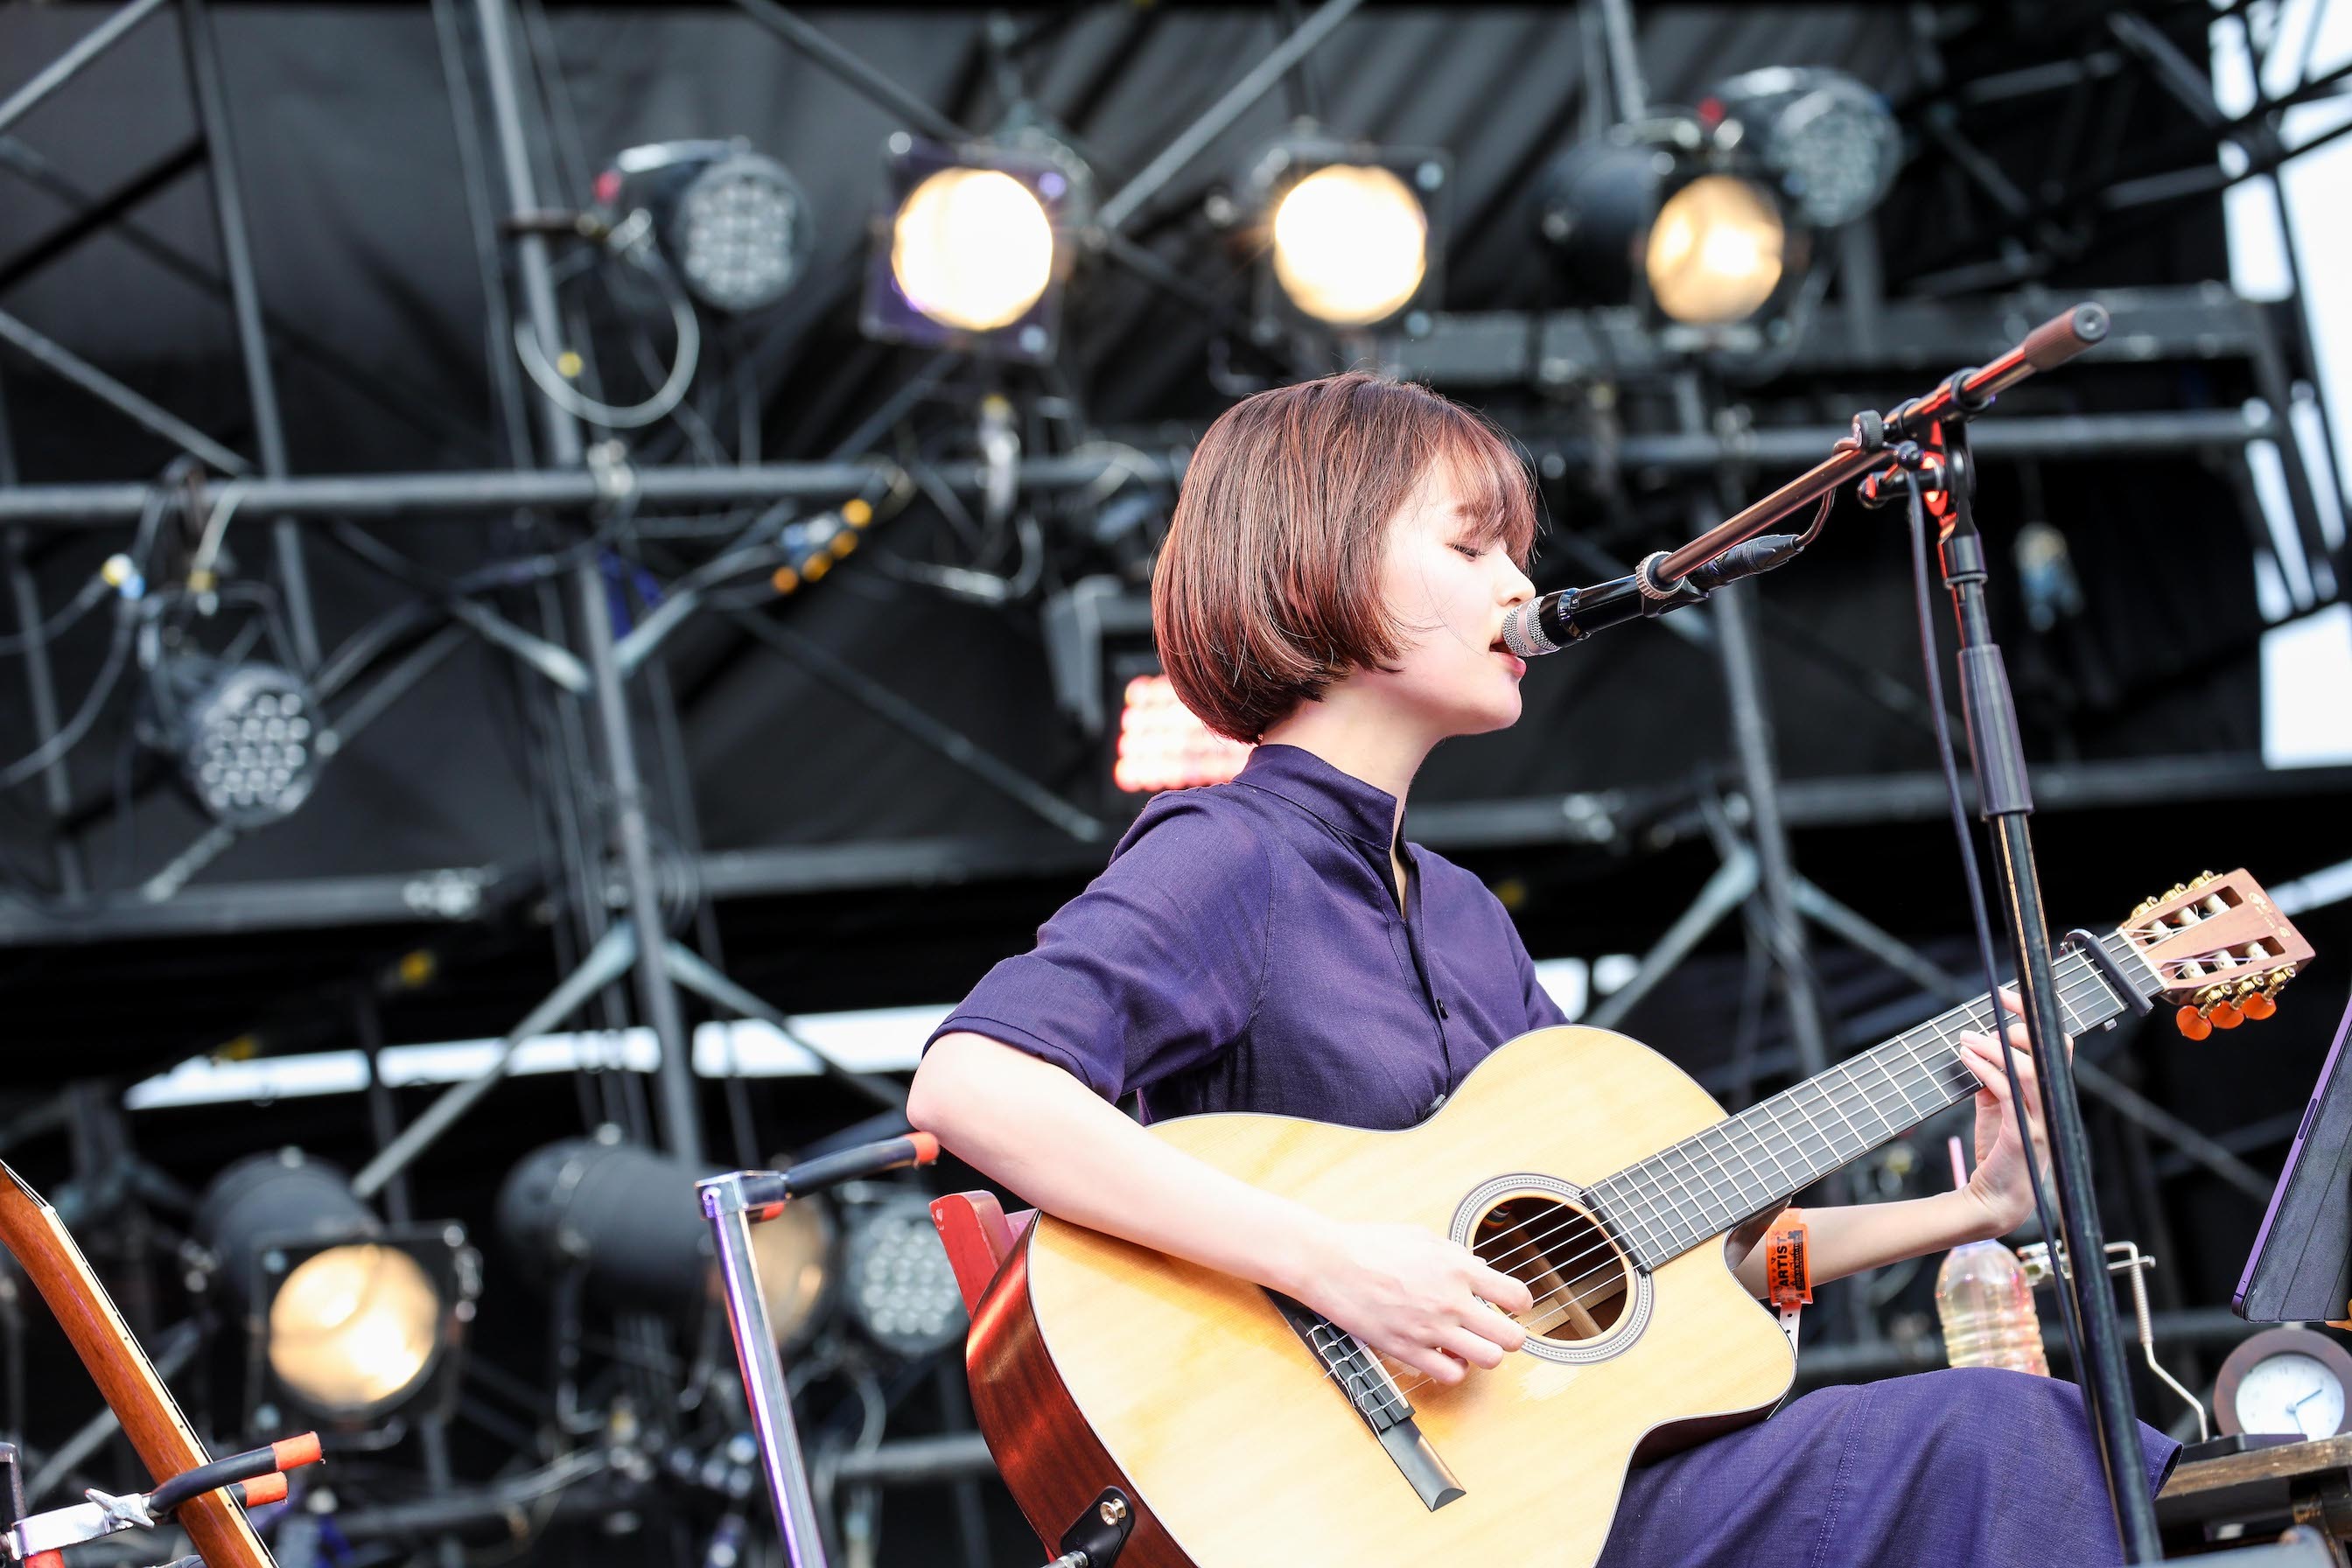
1787,1266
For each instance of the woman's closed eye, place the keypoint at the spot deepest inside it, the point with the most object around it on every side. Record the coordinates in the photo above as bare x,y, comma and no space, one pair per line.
1472,551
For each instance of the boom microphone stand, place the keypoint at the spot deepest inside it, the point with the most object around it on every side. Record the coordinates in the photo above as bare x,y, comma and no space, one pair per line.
2004,801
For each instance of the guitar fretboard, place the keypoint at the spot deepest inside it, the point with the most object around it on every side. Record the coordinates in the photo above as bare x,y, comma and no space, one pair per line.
1703,1186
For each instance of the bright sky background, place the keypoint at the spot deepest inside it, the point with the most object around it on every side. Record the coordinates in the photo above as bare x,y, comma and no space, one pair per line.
2307,662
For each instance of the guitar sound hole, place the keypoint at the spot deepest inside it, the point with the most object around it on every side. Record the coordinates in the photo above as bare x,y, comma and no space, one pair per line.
1579,1278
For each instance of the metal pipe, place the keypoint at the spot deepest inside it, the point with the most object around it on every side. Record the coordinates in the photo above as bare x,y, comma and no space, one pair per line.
682,1121
725,1204
847,66
67,66
607,960
64,362
1260,80
470,491
244,303
41,688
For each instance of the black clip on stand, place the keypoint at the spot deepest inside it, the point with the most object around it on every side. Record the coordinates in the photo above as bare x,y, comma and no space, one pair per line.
733,1202
2005,802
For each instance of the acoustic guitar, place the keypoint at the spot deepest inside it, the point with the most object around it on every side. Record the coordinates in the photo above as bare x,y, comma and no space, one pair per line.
1242,1430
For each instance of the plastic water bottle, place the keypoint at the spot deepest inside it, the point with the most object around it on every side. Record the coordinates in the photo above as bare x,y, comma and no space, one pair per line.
1986,1310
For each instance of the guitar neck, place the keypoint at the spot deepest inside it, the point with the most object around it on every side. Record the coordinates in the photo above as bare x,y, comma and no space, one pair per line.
1703,1186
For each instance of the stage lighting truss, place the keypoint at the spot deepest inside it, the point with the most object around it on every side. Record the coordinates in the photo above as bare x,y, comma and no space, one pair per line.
1830,143
971,247
734,223
1347,236
349,1322
248,738
898,1285
1664,215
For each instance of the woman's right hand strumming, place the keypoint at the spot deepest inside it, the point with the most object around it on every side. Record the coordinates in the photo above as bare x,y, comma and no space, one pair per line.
1417,1297
1407,1293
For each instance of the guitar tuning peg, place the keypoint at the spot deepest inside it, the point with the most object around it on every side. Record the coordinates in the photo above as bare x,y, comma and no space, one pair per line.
2141,911
2258,1005
2192,1023
2177,890
2202,878
2225,1016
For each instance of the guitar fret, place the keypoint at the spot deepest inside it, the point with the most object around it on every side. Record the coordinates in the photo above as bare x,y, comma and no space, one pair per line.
1734,1168
1896,1084
1829,1094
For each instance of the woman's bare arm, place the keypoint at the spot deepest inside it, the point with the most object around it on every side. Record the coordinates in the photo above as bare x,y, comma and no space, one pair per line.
1406,1291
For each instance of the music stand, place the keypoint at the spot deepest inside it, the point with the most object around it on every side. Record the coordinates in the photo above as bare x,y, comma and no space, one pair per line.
2300,1265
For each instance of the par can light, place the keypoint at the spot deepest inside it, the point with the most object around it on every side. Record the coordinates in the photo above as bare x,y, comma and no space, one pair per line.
900,1288
968,251
628,1218
348,1320
1716,251
245,736
1352,237
1661,218
734,223
1830,143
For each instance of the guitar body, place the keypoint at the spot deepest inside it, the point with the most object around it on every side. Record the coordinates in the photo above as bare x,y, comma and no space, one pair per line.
1095,1363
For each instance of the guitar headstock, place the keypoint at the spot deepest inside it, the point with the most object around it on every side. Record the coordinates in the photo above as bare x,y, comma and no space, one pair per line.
2220,950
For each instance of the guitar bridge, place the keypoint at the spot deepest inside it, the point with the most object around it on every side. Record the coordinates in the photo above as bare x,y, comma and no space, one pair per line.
1357,1373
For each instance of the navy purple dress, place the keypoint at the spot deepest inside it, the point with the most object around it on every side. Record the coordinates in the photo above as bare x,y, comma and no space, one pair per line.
1243,950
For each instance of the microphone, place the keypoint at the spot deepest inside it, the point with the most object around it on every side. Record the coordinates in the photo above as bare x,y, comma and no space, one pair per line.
1571,615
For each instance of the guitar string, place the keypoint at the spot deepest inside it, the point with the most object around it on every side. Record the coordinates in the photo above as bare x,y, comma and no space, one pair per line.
2072,992
1576,1297
1913,1062
2090,981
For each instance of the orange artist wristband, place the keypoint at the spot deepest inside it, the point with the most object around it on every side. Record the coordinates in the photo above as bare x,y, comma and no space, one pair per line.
1788,1270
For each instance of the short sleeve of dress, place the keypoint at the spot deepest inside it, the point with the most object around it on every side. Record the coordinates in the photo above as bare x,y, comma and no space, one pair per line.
1154,969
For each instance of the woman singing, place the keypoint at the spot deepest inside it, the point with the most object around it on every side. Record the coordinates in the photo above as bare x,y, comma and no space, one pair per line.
1333,588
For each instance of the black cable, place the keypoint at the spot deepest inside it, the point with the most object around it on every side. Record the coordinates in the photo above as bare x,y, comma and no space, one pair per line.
1978,912
70,734
48,631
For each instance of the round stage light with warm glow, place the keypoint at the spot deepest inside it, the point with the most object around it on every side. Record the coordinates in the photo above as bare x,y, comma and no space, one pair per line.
1715,251
971,249
1350,244
354,1328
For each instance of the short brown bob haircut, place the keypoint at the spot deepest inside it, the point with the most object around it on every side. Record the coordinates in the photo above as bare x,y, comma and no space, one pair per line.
1267,588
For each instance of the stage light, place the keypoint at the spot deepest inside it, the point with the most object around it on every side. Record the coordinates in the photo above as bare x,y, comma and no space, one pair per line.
900,1288
348,1320
1353,236
627,1216
1350,244
969,249
1830,142
1715,251
1662,217
734,223
1162,745
245,736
